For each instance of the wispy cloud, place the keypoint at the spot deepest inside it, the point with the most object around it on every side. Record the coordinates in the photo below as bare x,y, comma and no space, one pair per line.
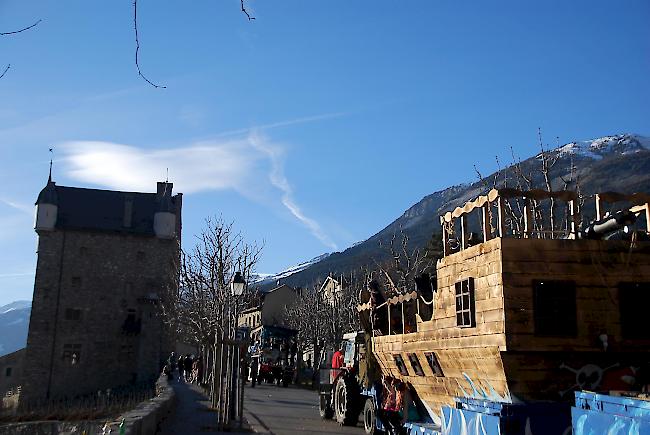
207,165
279,180
286,123
16,275
25,208
246,165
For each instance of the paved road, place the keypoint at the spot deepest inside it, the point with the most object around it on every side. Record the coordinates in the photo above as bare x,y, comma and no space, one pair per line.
192,414
278,411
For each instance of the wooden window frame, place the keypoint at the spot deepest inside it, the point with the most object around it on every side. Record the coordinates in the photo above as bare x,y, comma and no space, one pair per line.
434,365
465,303
415,364
401,365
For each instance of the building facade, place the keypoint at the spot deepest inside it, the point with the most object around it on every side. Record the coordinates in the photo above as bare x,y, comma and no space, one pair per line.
105,260
11,367
270,312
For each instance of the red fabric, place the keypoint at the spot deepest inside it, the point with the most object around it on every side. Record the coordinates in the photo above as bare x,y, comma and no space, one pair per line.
337,360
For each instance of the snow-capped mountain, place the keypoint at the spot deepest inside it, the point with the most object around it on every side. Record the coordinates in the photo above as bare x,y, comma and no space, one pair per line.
612,163
267,279
596,149
14,324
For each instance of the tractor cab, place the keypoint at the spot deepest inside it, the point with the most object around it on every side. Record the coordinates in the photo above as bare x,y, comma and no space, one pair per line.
340,387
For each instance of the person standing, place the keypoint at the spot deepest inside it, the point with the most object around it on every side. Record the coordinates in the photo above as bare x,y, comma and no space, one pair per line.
338,360
199,369
181,368
171,362
254,369
188,367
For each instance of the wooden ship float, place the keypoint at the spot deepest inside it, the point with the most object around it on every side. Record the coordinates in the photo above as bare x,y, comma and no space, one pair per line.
524,314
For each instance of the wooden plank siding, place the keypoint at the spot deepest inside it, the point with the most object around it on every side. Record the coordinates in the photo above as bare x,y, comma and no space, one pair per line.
597,268
462,353
501,354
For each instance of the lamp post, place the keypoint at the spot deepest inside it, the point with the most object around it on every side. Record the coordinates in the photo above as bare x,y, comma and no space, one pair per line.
237,286
226,361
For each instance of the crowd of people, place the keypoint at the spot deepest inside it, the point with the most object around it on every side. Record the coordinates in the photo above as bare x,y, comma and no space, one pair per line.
188,366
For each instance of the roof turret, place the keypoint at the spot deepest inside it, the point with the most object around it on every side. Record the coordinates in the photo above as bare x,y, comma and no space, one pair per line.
48,194
165,202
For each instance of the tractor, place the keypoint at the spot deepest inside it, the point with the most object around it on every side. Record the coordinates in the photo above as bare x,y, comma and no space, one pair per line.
347,391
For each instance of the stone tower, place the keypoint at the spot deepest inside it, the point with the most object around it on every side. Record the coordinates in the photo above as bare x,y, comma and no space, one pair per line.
104,260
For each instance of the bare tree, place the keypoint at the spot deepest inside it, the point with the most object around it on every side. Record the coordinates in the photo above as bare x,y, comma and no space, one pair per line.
541,173
244,10
322,318
137,40
198,308
14,32
405,264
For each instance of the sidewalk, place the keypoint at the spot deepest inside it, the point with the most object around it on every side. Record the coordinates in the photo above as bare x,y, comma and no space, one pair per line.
192,414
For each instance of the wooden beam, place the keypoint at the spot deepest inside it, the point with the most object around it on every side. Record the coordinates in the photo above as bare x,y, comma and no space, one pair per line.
599,204
389,319
463,232
575,218
485,214
445,238
501,217
528,218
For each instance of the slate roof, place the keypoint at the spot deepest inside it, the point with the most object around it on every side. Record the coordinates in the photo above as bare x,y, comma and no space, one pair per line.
104,210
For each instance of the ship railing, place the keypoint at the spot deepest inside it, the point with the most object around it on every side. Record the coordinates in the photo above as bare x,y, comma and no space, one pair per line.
535,213
397,315
510,213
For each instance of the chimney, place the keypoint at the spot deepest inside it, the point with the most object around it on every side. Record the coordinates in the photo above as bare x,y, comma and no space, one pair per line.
164,187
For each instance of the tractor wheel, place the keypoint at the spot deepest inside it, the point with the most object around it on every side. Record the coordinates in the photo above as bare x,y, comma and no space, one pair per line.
346,401
369,417
325,408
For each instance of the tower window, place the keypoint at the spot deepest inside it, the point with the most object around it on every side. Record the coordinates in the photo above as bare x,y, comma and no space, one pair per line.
554,308
634,298
140,255
8,372
465,310
83,250
76,281
72,314
72,353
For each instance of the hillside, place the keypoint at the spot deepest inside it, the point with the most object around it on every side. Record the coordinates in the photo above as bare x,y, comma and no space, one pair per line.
612,163
14,324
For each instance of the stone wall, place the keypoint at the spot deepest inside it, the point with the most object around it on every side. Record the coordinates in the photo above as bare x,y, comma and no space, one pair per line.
11,368
143,420
94,322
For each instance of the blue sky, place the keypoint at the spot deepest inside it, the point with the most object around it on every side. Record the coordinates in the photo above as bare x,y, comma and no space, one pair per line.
313,126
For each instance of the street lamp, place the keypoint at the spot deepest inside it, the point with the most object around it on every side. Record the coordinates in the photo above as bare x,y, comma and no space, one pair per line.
234,377
237,284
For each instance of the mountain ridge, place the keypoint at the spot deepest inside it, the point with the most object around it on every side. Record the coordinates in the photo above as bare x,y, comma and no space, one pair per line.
14,325
599,164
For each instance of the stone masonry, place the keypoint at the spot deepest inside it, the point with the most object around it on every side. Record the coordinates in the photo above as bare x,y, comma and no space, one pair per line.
95,322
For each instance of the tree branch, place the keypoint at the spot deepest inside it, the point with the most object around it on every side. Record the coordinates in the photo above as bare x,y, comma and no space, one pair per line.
137,46
21,30
5,71
243,9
